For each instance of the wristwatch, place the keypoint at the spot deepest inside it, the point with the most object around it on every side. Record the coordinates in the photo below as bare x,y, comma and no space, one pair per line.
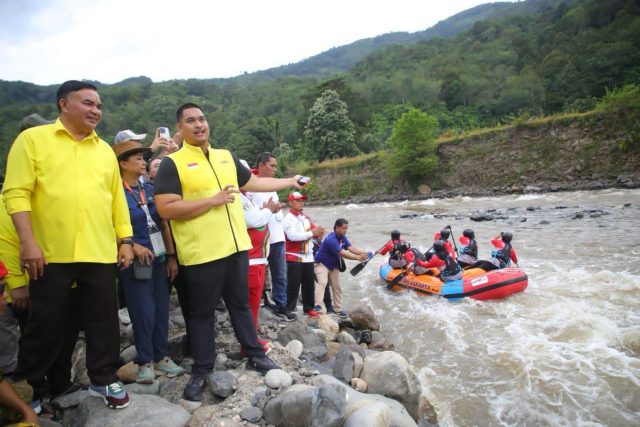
127,241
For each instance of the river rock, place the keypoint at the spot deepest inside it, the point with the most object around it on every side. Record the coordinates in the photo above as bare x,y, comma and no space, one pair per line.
260,397
481,217
316,352
359,384
368,413
251,414
344,364
389,374
220,363
344,337
79,363
303,405
329,326
178,347
363,318
222,383
70,400
294,347
298,330
144,410
202,416
397,412
189,405
128,373
277,378
129,354
358,363
135,388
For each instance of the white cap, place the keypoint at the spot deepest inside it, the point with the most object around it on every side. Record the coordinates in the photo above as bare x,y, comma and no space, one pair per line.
127,135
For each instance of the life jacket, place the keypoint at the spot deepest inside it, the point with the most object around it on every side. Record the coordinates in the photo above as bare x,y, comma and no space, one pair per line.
503,255
451,267
471,248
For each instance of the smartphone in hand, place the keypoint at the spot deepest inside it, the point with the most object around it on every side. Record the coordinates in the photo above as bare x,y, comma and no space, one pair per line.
163,132
303,180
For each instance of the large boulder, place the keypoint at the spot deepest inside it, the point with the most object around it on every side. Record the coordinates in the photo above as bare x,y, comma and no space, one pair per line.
368,413
344,364
363,318
143,411
398,415
303,405
389,374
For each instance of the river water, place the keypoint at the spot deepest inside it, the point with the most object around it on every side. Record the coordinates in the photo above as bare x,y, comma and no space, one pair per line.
565,352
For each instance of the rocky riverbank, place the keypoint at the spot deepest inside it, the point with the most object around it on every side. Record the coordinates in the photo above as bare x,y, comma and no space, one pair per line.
562,155
334,372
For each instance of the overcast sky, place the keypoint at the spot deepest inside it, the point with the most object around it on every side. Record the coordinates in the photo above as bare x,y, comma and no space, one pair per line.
50,41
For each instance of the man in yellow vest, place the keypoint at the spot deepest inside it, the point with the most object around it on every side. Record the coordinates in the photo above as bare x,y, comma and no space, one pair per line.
197,190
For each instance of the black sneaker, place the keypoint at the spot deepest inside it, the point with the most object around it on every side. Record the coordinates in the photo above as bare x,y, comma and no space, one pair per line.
284,314
261,364
193,389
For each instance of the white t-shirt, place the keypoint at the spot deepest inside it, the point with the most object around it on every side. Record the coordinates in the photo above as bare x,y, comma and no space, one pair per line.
276,226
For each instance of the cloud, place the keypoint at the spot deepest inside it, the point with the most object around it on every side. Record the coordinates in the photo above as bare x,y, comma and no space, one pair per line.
109,40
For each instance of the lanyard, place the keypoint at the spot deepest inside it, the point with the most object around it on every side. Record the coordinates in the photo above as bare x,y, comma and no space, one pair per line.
141,194
151,224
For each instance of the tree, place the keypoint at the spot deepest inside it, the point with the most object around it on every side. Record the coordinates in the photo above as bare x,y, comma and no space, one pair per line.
413,143
329,132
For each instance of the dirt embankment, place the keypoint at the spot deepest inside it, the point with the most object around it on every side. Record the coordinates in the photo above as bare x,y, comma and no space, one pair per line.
565,154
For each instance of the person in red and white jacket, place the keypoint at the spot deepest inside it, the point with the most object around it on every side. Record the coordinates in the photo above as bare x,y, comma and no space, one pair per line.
299,231
257,219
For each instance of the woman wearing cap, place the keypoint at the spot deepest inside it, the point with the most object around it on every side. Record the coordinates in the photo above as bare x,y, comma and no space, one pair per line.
145,282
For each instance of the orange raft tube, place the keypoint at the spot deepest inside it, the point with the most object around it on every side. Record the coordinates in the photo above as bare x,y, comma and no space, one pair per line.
476,283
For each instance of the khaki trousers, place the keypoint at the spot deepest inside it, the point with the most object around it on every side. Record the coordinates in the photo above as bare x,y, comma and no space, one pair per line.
324,276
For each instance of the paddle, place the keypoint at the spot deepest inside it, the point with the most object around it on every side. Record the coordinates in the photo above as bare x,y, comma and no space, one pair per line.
358,268
453,238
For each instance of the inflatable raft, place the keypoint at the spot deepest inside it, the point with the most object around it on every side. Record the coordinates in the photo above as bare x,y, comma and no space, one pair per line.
476,283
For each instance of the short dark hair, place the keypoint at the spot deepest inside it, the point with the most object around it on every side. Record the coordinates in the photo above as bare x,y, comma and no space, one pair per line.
185,107
264,158
71,86
339,223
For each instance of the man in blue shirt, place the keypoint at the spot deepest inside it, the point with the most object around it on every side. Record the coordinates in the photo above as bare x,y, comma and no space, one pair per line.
328,261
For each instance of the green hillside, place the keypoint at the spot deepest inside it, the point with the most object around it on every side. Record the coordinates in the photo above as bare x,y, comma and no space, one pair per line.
552,57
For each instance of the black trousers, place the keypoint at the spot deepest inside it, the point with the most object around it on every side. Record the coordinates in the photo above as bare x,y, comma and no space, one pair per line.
58,376
180,285
300,275
226,277
51,300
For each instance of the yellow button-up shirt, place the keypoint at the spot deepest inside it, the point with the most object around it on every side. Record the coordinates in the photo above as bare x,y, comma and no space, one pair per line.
73,191
10,253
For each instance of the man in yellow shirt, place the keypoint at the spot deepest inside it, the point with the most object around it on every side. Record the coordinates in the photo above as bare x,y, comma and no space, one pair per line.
197,189
65,198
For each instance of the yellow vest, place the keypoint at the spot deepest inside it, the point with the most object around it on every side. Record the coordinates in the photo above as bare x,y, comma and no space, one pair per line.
221,231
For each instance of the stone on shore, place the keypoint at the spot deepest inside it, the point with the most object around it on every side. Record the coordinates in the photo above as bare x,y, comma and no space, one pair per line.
294,347
304,405
277,378
364,318
389,374
143,411
398,415
344,364
222,383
